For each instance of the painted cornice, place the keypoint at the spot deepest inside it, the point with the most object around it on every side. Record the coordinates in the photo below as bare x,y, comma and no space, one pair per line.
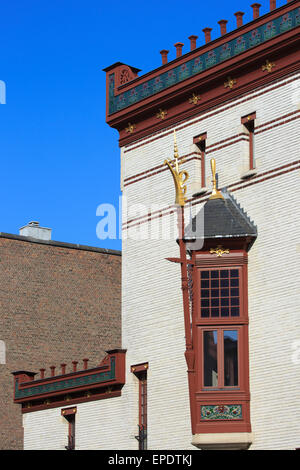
133,108
85,385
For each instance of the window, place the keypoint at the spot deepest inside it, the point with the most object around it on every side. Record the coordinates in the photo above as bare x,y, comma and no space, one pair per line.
200,141
220,358
249,123
140,371
220,293
69,414
220,332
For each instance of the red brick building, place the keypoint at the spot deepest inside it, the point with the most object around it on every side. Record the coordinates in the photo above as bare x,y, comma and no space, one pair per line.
59,302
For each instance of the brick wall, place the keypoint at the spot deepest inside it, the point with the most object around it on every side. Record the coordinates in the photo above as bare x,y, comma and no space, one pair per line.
57,304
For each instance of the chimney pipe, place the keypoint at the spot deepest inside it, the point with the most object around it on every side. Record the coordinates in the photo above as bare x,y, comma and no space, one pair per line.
42,371
52,368
193,40
272,5
85,364
239,18
74,365
223,24
179,46
207,32
34,230
63,369
164,56
256,7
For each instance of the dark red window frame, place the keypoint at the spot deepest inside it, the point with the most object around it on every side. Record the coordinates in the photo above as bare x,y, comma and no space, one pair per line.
220,357
140,371
69,414
249,122
200,141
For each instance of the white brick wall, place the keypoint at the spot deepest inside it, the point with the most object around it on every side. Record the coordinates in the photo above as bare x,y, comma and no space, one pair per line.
152,314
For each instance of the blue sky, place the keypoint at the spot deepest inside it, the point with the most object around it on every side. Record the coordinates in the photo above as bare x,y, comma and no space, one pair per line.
59,159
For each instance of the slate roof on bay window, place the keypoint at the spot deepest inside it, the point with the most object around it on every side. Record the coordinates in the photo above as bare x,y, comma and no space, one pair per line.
220,218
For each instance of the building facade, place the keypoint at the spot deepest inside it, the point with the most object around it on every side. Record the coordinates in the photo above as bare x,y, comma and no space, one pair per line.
210,314
59,302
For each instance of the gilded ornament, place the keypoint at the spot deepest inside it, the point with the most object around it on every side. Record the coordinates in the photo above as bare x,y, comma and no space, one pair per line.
216,194
230,83
161,114
130,128
268,66
179,177
194,99
219,251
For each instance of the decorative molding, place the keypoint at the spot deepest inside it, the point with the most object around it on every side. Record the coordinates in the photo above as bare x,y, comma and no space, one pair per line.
130,128
219,251
272,27
76,386
221,412
230,83
162,114
268,66
235,102
194,99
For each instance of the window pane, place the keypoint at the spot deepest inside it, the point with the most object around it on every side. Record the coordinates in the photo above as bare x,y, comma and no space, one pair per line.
214,274
230,358
214,312
235,311
225,312
224,273
234,273
210,359
204,274
205,284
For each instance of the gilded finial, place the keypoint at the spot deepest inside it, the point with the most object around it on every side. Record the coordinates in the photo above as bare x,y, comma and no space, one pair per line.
216,194
179,177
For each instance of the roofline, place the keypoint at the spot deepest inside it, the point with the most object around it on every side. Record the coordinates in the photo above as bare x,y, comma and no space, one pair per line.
74,246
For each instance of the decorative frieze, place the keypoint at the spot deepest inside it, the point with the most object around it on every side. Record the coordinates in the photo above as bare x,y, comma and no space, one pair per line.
221,412
202,62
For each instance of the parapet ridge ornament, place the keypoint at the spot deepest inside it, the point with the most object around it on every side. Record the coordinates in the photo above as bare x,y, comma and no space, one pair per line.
268,66
219,251
179,177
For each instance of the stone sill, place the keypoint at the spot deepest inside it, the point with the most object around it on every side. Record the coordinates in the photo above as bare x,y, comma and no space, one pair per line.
223,441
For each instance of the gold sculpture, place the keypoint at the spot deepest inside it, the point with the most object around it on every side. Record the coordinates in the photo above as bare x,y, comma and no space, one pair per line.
219,251
230,83
179,177
216,194
194,99
161,114
268,66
